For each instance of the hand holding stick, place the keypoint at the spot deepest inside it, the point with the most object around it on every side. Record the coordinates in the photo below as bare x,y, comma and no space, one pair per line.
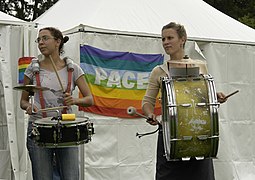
222,98
132,111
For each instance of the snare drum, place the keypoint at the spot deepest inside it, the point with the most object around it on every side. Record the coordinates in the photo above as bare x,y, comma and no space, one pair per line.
189,117
53,133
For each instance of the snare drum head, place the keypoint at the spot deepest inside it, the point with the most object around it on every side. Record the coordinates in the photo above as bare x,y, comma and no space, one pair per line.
49,121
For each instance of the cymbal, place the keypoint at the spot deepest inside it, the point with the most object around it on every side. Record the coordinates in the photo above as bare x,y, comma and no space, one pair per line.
187,61
31,88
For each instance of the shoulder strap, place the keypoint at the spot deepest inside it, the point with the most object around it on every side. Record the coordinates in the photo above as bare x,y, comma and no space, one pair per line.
70,70
36,70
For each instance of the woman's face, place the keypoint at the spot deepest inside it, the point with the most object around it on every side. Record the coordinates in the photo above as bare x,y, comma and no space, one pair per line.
47,44
171,42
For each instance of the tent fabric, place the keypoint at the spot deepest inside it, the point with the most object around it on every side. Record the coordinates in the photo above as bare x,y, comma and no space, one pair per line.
202,21
15,42
7,19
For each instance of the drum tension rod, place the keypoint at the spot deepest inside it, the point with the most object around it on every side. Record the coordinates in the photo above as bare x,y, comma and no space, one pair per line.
202,137
205,137
214,136
187,138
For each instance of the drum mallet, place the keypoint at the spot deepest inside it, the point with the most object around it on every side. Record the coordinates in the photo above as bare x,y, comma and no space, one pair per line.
231,94
132,111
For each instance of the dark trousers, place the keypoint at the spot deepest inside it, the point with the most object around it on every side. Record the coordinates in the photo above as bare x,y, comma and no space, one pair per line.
181,170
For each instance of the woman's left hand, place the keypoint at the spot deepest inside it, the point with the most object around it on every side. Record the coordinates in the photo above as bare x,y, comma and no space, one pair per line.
68,99
221,97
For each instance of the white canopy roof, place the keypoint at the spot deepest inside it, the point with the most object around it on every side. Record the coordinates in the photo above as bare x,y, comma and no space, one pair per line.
202,21
7,19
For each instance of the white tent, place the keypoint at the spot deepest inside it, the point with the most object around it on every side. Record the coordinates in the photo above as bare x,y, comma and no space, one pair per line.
202,21
134,26
7,19
15,37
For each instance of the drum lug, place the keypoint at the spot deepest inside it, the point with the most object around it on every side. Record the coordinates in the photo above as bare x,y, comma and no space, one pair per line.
55,136
200,158
78,134
186,105
35,134
185,158
201,104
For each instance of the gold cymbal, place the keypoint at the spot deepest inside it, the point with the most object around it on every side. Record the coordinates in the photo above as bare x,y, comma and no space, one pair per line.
31,88
187,61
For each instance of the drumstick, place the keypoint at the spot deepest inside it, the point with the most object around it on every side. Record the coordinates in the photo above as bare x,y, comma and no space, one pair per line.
55,69
231,94
53,108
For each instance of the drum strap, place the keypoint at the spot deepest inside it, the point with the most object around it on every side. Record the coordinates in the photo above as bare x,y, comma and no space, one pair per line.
38,83
148,133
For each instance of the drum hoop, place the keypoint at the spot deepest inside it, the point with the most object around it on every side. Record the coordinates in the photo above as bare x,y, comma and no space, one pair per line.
61,145
67,123
212,94
166,127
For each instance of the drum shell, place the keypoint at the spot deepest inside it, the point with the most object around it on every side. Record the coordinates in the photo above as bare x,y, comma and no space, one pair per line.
190,118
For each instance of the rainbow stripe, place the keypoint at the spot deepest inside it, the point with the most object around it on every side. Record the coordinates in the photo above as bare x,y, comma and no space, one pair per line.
22,65
117,80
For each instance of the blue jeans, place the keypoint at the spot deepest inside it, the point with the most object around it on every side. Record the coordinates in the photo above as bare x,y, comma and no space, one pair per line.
45,160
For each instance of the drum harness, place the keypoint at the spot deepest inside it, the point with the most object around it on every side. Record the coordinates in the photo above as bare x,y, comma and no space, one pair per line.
36,72
139,135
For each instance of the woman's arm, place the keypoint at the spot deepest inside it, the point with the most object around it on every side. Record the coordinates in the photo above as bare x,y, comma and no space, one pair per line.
86,100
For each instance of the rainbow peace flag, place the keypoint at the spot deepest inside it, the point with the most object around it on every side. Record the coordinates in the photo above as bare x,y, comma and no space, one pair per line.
117,80
22,65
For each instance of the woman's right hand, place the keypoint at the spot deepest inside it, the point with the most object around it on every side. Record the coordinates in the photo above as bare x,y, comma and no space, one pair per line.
152,119
29,109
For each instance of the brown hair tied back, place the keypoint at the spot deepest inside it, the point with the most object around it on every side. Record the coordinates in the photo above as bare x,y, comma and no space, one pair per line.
65,39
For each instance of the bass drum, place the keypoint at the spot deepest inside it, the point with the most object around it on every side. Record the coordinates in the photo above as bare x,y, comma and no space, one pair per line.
190,117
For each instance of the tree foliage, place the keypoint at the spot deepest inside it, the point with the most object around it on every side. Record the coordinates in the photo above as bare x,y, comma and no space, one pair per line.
27,10
241,10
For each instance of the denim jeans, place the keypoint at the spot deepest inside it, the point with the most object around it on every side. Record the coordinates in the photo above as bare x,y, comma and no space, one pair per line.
46,160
